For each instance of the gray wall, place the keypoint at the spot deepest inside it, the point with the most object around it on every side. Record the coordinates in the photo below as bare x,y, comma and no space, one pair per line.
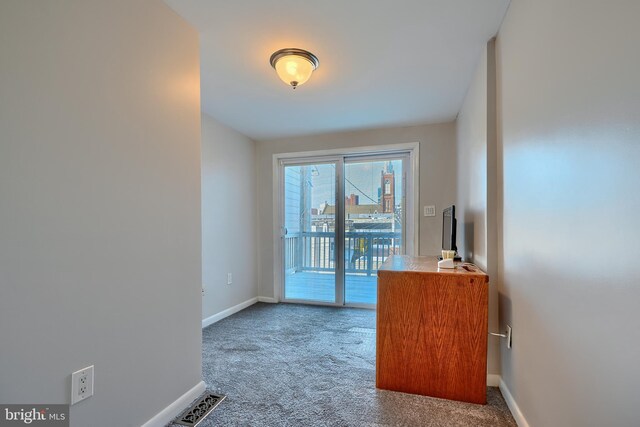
471,139
569,132
228,217
100,206
475,207
437,179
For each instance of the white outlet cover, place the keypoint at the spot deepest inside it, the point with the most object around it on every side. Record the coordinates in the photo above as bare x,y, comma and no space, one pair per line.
81,384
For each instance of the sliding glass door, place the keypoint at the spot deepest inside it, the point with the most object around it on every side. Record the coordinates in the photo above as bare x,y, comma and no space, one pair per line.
373,223
341,218
310,232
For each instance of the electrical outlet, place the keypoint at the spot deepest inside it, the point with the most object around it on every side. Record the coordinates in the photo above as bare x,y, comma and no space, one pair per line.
508,336
229,278
202,290
81,384
430,210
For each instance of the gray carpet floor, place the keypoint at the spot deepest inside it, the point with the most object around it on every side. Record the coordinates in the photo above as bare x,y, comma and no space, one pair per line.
300,365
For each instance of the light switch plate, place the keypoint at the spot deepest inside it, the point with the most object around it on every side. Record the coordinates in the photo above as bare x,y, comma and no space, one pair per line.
430,210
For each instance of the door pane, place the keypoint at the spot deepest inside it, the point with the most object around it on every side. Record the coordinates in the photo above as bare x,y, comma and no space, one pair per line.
374,223
309,242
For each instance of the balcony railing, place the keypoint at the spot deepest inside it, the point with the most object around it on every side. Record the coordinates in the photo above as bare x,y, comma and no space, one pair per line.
364,251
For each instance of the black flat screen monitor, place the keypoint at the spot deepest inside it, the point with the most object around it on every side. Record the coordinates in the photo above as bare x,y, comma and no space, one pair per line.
449,229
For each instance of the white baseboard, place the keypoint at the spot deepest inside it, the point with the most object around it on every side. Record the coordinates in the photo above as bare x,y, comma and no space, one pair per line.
493,380
513,406
163,417
268,299
228,312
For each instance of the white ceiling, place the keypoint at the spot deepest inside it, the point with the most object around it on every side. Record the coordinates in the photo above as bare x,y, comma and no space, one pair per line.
382,62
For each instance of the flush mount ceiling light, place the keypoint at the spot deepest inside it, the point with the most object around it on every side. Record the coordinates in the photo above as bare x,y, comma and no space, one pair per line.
294,66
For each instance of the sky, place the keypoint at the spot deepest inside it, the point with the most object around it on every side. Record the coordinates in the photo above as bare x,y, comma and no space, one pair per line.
363,179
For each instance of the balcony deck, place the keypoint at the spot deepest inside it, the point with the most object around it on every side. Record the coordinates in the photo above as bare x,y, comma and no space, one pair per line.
311,286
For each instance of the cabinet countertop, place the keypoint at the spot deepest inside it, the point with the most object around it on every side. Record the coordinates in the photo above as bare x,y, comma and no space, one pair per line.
427,265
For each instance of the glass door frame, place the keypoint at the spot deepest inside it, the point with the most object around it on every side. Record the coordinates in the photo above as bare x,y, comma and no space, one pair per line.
338,252
339,157
405,157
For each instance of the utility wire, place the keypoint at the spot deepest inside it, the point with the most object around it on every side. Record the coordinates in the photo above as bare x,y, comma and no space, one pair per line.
363,193
356,187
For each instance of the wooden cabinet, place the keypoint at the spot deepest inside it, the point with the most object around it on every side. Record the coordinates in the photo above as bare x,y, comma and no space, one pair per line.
432,329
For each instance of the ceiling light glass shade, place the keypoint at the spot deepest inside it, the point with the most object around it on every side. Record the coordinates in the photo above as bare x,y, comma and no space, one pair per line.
294,66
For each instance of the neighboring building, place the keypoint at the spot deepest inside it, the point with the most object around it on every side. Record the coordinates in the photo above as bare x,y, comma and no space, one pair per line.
387,184
352,200
352,211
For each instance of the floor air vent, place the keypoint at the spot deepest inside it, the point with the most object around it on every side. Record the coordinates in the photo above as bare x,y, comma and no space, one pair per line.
197,412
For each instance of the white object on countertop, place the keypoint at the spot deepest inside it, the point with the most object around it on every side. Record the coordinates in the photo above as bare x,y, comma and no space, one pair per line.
446,263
